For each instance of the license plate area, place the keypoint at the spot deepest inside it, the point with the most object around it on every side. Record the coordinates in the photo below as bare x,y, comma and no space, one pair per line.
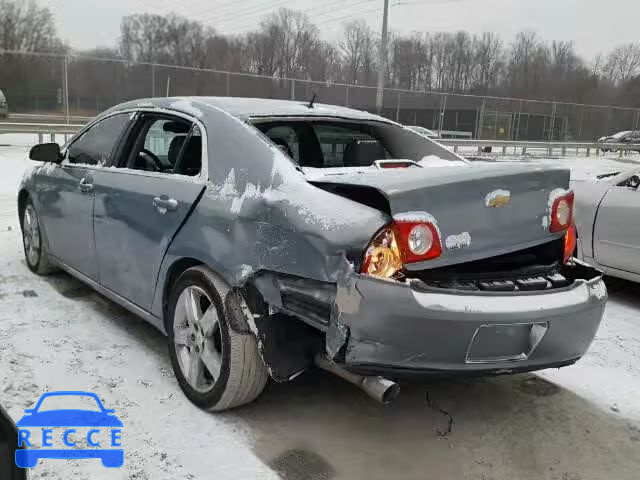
505,342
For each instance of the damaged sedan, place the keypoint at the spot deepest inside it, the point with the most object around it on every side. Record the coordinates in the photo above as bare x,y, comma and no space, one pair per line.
265,237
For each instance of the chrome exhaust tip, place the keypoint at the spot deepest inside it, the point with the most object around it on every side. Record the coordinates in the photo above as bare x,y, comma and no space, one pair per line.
379,388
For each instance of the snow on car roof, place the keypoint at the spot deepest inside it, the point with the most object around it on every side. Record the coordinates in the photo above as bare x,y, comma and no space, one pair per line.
252,107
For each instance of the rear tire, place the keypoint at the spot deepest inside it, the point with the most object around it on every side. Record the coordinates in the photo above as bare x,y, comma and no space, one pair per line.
35,248
216,368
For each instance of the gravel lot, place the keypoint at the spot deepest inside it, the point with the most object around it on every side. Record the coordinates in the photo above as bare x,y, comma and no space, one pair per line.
578,423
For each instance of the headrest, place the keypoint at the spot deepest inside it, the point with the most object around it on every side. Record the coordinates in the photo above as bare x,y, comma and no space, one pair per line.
362,153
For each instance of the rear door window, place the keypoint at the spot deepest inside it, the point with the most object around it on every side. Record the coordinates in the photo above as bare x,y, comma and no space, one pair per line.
97,145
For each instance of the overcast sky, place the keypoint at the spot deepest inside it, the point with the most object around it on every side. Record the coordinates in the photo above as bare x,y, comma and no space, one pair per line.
594,25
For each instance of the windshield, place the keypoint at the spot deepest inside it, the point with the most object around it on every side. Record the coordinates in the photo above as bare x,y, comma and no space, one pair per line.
325,143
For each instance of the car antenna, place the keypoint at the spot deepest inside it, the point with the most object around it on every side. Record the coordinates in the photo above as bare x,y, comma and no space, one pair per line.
312,101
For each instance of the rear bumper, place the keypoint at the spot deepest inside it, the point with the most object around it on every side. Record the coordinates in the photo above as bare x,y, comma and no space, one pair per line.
385,327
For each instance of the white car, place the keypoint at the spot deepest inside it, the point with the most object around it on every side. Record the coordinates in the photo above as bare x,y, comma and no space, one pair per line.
4,108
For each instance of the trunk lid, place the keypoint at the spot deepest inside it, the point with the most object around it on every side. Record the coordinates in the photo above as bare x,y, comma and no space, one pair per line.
482,211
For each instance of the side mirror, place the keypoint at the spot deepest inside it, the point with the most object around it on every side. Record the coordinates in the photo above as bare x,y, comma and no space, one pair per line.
46,152
634,182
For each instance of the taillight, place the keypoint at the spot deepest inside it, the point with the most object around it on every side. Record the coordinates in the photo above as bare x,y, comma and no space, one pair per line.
561,213
410,238
419,238
570,239
382,257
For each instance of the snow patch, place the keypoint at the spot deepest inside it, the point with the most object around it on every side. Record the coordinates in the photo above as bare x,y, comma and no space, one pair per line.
187,107
545,222
463,240
554,195
245,270
492,196
435,161
414,217
503,303
250,191
598,290
229,186
48,168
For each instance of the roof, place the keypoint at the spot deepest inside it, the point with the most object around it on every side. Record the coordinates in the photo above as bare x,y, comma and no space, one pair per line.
253,107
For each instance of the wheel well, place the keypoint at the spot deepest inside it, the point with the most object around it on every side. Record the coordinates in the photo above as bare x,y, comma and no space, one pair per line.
23,196
177,269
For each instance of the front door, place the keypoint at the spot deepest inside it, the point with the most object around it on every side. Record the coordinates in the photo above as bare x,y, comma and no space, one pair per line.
617,229
65,195
140,205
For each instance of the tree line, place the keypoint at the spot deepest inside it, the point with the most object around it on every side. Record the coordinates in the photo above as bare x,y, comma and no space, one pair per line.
287,43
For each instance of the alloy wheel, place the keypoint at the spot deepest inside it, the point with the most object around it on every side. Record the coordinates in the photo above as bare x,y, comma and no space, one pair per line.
197,339
31,235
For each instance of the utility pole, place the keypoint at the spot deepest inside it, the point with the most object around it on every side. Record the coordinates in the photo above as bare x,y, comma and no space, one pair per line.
382,67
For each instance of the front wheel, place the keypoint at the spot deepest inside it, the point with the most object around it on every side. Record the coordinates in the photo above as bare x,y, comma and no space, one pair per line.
35,248
216,368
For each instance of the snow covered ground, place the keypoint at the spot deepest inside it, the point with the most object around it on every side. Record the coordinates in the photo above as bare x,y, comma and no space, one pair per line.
581,422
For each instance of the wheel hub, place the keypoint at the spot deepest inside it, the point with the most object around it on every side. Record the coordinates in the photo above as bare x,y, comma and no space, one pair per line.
197,339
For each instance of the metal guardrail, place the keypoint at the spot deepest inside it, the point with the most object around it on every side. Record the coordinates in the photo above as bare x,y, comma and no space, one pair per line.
453,134
521,147
41,129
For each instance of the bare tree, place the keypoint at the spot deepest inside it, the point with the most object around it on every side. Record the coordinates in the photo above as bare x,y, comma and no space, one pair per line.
488,52
358,48
27,27
623,63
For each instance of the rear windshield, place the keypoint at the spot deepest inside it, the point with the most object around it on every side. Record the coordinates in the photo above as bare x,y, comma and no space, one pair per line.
340,144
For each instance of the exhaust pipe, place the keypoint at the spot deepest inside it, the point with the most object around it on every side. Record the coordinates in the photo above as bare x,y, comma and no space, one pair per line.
379,388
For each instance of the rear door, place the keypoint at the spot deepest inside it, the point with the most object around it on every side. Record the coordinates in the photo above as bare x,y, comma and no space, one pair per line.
616,238
142,202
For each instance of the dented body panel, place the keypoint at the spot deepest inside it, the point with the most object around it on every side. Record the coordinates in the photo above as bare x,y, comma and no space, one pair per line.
408,329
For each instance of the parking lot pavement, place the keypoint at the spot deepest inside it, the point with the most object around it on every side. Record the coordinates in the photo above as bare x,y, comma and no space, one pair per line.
578,423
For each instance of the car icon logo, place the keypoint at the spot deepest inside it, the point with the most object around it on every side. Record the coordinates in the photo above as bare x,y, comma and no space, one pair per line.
104,428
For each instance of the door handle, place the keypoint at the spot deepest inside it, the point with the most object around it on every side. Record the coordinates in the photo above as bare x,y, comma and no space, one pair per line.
163,203
85,185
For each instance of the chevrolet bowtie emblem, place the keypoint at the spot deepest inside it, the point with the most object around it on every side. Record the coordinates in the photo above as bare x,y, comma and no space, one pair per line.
498,201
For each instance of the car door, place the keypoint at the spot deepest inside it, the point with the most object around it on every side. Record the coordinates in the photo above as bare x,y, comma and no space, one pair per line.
65,194
141,204
617,227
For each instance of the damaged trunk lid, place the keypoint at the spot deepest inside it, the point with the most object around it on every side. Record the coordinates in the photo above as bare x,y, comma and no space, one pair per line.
481,211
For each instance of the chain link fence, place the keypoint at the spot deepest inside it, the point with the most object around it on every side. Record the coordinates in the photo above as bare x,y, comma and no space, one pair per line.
71,86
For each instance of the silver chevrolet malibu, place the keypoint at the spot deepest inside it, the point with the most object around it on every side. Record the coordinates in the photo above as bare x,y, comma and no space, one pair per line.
266,237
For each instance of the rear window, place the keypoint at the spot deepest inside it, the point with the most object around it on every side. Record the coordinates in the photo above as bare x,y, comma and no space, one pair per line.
347,147
327,143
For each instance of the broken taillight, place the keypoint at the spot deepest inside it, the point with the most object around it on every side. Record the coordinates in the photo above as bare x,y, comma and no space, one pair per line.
561,213
383,257
570,239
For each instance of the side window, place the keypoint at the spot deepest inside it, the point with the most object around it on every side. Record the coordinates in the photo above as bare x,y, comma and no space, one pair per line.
285,137
167,145
97,145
